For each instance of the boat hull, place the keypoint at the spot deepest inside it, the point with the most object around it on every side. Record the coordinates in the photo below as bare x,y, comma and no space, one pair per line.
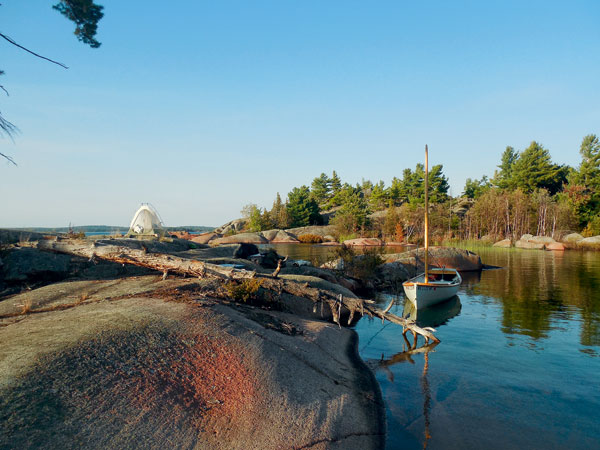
424,295
442,284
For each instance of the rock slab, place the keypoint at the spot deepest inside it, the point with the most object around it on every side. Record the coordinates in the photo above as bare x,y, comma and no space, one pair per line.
505,243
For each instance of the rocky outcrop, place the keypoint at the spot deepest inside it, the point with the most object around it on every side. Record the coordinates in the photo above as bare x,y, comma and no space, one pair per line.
462,207
242,238
555,246
488,239
235,226
181,235
269,235
363,242
530,245
23,264
589,243
14,236
505,243
572,238
322,231
529,241
147,371
542,239
391,275
454,258
231,233
205,238
25,268
399,267
282,237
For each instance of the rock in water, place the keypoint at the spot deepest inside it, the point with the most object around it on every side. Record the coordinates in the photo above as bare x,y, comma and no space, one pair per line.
505,243
572,238
242,238
555,246
534,242
590,242
364,242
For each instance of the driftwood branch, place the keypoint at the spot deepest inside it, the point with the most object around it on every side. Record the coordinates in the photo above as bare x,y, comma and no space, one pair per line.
174,264
139,257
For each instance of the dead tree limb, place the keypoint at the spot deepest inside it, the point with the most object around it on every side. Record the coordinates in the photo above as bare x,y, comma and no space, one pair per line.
157,261
174,264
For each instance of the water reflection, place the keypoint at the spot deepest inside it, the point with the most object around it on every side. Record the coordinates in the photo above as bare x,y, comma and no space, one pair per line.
540,290
507,346
406,356
434,316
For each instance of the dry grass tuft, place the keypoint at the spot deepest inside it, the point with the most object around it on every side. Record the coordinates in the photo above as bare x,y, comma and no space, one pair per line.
82,298
26,306
310,239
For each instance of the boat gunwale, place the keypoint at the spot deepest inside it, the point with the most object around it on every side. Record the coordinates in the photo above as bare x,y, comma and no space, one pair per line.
417,283
437,270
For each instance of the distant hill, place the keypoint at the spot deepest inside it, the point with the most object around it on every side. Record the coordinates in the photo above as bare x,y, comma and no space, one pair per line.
109,229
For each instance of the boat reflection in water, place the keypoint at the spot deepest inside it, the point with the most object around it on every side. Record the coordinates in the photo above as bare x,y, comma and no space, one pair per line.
433,316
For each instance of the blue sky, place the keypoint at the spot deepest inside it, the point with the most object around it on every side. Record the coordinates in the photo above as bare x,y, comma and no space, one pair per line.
202,107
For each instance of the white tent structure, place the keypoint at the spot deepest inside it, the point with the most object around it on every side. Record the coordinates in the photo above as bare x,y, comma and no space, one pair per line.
146,222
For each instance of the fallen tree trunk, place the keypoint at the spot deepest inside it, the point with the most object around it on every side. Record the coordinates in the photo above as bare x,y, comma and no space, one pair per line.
174,264
141,257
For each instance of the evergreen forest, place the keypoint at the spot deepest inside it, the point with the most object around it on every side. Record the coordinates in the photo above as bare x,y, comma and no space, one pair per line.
527,193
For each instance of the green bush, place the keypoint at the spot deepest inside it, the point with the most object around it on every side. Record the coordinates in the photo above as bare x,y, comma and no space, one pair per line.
243,290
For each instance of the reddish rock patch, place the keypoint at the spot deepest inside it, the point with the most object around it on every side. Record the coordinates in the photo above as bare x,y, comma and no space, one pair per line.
181,234
204,238
199,376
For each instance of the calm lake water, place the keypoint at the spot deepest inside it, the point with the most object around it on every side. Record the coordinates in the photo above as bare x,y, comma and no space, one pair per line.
519,361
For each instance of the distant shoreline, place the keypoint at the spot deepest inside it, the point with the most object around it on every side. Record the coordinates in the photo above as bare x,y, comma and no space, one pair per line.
104,229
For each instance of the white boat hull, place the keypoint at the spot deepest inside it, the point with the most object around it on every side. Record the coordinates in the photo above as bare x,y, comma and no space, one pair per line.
427,293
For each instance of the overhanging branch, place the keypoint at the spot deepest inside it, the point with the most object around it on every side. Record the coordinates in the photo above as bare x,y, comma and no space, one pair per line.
8,158
13,42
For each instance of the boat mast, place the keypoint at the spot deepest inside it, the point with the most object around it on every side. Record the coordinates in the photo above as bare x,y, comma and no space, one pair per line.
426,216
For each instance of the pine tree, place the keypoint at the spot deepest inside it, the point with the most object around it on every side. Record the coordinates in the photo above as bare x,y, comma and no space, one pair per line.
378,197
279,215
534,170
335,183
302,209
504,178
475,188
258,219
321,189
584,183
353,213
438,185
588,174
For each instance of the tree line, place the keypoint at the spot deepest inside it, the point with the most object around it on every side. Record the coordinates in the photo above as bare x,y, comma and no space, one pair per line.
528,193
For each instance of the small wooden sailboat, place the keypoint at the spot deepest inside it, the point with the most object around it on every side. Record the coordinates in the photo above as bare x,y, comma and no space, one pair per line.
436,284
